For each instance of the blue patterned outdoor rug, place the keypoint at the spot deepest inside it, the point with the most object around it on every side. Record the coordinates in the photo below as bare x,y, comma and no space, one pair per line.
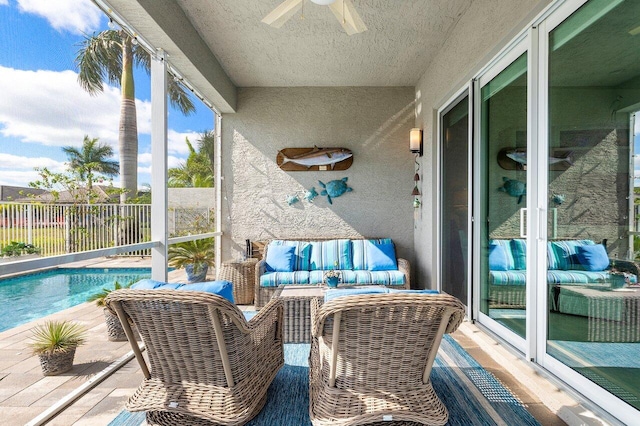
472,395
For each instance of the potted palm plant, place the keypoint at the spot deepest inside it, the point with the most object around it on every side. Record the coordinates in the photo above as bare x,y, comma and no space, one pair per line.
55,343
115,332
195,256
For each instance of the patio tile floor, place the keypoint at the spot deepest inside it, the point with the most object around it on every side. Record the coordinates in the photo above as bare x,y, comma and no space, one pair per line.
25,393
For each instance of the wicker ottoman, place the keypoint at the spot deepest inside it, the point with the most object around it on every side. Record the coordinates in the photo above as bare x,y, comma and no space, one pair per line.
242,275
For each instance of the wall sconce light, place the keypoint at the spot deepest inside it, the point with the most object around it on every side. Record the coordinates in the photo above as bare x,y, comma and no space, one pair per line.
415,141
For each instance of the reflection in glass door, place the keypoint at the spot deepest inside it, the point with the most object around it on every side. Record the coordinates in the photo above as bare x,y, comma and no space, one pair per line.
454,199
503,171
594,88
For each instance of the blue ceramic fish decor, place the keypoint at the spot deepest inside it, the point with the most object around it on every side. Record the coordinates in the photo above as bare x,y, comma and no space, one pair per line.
310,194
513,187
334,188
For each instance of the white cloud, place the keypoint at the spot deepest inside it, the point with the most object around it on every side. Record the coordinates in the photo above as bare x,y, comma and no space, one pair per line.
18,178
17,162
144,162
176,142
75,16
50,108
4,2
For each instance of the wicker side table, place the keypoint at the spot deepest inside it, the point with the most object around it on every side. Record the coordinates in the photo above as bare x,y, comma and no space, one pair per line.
242,275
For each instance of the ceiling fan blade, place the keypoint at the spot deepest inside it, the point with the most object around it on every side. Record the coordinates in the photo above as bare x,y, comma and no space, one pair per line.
351,21
281,14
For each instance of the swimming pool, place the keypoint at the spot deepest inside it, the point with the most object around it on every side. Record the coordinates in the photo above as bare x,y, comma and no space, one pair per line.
28,297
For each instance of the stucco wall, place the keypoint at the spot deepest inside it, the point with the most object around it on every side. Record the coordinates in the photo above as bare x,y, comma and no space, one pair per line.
373,122
482,31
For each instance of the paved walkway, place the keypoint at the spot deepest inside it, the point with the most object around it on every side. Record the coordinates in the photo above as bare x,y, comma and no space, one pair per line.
25,393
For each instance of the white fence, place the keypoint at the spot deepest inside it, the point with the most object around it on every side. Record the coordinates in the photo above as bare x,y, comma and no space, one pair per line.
63,228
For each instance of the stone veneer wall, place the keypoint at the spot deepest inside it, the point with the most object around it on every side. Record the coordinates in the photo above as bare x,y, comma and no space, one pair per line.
373,122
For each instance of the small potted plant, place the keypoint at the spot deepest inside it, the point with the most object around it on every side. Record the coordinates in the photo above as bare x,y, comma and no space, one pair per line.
115,332
55,343
332,277
195,256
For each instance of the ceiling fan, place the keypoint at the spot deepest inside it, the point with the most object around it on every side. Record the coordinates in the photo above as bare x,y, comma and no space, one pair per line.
342,9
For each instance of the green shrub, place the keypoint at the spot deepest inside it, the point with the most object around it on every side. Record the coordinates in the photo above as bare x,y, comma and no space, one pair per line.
18,249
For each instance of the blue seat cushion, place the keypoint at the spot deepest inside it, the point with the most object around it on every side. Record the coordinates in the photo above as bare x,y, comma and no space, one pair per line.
512,277
554,277
372,277
274,279
333,293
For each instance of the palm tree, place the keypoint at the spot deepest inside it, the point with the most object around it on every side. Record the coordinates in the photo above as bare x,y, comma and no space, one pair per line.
111,55
92,157
197,171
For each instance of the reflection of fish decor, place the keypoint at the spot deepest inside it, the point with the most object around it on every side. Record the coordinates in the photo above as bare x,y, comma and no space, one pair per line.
292,199
558,198
513,187
520,156
315,158
310,194
334,188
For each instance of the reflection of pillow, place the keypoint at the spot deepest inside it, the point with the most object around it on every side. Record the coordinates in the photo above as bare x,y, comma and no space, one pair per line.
221,288
381,257
280,258
593,257
497,258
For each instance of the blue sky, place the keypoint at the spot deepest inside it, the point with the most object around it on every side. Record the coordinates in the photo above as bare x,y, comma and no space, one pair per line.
43,108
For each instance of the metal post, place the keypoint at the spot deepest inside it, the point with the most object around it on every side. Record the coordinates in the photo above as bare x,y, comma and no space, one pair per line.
159,200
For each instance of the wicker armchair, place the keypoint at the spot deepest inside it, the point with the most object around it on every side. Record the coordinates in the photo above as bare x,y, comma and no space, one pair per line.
207,364
371,358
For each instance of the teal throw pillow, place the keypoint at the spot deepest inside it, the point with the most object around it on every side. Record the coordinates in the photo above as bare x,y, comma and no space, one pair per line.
221,288
593,257
497,258
280,258
381,257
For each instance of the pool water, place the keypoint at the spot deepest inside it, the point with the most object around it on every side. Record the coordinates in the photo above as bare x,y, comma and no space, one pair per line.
29,297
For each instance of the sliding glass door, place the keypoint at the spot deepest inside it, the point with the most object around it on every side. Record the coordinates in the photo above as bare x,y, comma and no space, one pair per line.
454,194
502,161
593,92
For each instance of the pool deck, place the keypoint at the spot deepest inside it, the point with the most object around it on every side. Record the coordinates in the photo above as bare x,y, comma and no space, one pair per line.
25,393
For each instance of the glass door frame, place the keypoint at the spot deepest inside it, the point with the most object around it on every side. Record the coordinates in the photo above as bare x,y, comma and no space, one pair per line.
466,91
590,390
512,52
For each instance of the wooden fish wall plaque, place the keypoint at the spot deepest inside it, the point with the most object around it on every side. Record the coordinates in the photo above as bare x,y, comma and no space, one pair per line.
314,159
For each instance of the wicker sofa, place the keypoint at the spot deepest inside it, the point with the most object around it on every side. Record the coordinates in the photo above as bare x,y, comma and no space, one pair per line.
567,266
355,258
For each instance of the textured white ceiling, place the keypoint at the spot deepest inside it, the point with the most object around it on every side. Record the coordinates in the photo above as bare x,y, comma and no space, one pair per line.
402,37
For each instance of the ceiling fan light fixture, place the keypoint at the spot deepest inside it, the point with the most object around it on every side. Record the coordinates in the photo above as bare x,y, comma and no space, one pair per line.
323,2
